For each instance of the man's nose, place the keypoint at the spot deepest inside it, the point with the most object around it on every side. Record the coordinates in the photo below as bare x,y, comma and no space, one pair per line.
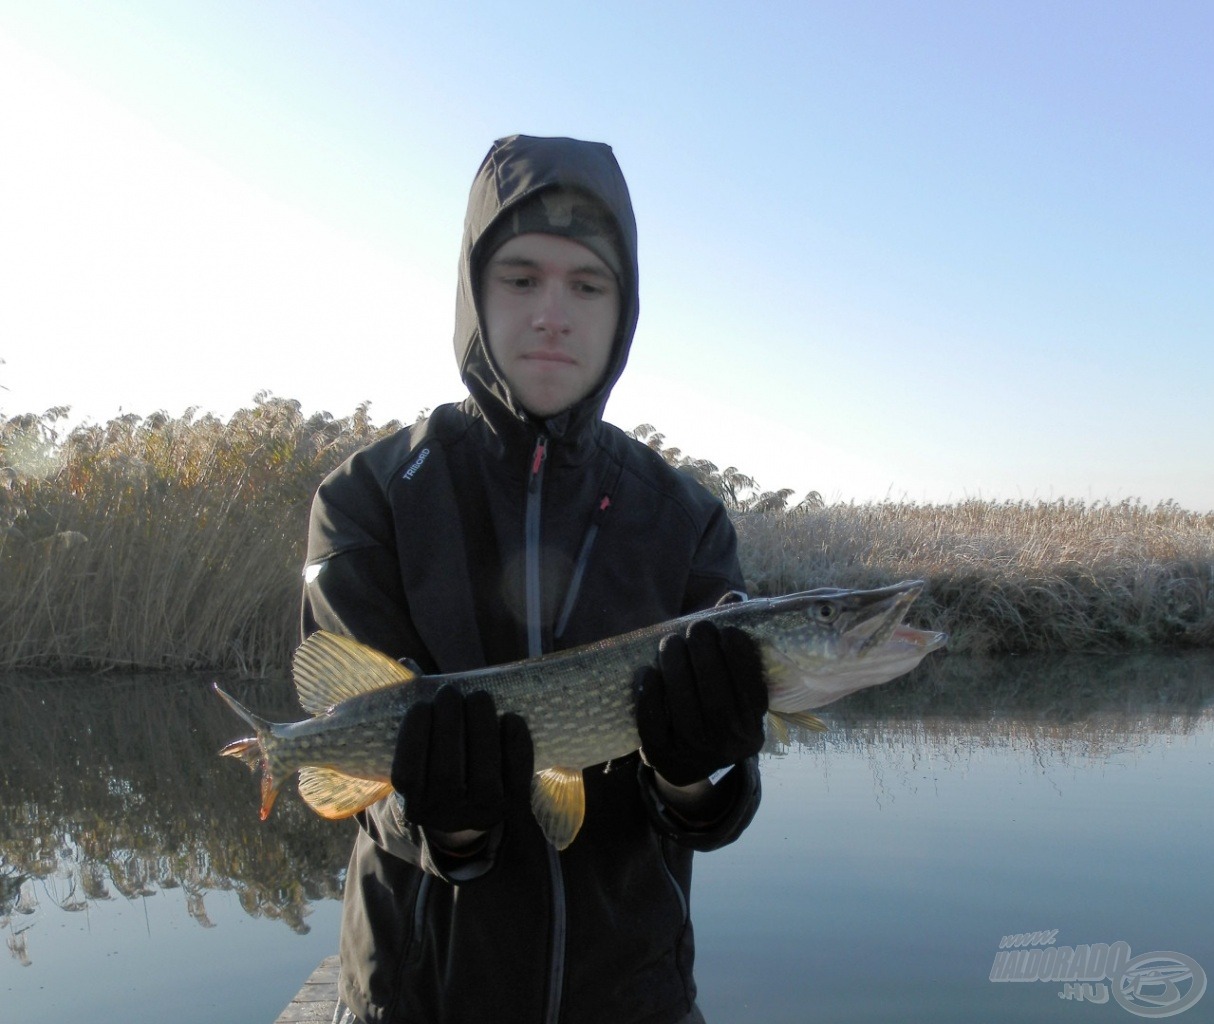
552,309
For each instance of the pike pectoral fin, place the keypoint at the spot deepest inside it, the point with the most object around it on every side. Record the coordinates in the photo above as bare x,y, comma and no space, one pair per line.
558,801
333,794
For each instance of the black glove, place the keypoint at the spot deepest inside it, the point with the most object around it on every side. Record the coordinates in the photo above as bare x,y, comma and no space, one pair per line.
702,708
457,767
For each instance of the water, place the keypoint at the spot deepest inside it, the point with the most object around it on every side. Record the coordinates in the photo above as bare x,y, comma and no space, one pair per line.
940,818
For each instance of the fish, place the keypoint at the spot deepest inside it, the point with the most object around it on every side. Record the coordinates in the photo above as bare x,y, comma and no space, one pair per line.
579,704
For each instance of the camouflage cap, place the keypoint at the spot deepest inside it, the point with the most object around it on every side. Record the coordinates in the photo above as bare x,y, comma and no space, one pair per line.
558,211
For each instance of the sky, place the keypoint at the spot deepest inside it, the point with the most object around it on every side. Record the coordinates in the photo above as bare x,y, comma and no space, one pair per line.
914,252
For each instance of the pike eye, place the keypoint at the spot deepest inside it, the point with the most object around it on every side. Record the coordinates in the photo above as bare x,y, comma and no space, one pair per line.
825,612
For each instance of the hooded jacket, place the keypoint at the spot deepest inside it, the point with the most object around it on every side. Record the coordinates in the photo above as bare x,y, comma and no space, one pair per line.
483,535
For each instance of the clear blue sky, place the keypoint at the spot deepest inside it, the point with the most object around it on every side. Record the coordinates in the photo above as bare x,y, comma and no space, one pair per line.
922,251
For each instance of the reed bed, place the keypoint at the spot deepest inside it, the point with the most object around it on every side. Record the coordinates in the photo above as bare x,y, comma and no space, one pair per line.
161,543
176,543
1007,577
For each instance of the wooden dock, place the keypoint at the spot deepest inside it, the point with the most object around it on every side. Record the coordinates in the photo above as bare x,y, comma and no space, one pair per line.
313,1004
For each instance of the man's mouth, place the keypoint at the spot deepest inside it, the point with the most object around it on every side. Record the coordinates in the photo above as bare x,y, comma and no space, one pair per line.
548,356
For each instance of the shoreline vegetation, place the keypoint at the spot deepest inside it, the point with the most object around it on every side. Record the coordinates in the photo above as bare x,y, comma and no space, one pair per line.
176,543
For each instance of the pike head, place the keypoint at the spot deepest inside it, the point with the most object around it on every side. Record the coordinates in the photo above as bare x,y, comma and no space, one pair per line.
820,645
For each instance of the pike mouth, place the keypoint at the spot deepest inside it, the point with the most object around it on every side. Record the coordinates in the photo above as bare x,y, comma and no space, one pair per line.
873,618
922,640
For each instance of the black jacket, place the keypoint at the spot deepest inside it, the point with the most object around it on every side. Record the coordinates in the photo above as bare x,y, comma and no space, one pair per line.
481,536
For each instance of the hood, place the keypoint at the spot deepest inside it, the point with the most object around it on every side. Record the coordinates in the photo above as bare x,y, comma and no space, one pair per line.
516,168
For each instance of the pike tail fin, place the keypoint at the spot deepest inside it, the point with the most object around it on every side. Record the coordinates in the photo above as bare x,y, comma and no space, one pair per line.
254,753
328,669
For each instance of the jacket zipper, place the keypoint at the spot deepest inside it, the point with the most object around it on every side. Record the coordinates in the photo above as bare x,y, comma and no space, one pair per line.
535,480
535,647
579,568
556,975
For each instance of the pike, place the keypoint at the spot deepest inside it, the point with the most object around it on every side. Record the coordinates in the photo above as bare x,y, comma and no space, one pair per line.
579,704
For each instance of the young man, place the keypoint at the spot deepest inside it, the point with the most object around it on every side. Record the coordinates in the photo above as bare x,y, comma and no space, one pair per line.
508,526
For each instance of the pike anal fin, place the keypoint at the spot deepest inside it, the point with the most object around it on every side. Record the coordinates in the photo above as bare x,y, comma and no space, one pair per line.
558,801
333,794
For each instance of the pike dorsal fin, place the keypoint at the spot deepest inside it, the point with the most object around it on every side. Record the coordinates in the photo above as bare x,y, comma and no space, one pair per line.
558,801
333,794
329,668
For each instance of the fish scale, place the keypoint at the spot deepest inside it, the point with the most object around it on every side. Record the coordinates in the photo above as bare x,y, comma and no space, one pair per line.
579,704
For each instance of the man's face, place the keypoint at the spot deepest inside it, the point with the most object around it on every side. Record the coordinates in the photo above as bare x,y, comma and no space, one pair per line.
550,307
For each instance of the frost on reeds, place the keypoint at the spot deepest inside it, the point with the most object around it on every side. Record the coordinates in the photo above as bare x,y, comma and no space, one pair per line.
161,542
1007,577
176,543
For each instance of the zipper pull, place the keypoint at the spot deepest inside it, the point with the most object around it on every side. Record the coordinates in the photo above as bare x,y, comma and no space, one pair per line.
537,462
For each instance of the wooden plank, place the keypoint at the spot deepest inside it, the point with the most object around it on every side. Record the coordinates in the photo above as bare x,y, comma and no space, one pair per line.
313,1004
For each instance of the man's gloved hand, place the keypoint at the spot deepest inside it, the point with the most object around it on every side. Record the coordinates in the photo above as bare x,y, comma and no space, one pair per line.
702,708
457,767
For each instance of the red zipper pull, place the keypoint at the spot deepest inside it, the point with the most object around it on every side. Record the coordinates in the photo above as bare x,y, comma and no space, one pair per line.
537,460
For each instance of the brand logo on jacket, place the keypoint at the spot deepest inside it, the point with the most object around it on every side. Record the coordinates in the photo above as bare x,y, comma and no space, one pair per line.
1159,984
416,464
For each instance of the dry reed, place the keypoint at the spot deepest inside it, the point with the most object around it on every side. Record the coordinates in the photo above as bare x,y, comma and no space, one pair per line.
1009,577
160,542
176,543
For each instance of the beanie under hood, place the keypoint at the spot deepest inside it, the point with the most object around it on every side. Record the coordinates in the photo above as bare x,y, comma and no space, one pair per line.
516,168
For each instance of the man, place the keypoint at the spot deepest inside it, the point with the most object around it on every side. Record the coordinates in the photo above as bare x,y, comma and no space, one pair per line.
509,526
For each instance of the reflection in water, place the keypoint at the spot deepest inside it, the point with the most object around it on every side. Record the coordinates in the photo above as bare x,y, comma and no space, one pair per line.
1052,712
111,788
892,855
1075,705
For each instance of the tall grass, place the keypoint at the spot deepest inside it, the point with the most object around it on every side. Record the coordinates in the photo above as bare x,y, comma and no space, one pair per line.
176,543
1008,577
161,542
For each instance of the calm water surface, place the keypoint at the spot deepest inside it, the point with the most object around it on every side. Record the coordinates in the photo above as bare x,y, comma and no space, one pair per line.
1068,802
